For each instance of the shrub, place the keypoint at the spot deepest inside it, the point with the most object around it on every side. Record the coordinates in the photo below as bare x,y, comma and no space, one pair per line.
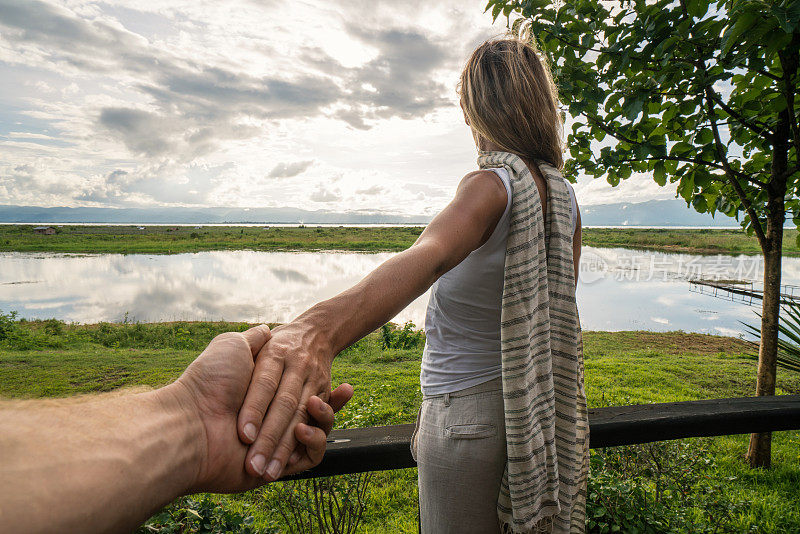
31,335
193,515
54,327
658,487
405,338
7,324
332,505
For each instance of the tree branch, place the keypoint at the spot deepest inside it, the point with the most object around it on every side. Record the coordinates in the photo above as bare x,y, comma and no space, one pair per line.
730,173
765,73
755,127
789,64
621,137
677,158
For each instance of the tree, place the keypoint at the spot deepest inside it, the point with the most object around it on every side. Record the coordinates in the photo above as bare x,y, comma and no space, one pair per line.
702,94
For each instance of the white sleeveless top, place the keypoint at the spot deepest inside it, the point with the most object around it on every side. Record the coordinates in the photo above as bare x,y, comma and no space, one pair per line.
462,324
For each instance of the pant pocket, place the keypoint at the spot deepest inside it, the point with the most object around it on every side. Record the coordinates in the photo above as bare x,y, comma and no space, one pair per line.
413,445
470,431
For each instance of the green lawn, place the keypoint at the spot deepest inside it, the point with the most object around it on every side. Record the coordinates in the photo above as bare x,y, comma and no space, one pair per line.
172,240
49,359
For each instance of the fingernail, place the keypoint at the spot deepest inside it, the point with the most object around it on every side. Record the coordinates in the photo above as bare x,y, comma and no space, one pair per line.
308,432
274,469
250,431
258,462
295,458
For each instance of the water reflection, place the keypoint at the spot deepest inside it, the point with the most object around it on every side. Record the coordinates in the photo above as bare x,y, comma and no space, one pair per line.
230,285
620,289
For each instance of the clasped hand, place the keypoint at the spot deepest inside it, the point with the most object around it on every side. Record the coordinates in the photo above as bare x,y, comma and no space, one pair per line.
240,375
291,370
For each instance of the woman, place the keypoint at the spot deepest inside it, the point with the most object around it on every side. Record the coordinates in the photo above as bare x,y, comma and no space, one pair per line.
501,244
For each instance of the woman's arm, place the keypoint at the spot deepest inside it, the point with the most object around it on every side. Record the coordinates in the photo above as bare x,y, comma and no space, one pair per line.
463,226
296,363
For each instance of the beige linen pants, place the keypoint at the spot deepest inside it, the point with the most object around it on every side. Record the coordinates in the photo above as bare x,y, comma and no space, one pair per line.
460,447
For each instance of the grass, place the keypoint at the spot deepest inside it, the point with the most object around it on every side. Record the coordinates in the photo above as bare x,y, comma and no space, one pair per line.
172,240
695,241
52,359
179,239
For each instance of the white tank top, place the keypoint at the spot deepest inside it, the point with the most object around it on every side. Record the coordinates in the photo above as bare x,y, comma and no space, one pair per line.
462,324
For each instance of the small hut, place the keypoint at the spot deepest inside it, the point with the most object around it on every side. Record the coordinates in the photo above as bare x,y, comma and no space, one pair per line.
44,230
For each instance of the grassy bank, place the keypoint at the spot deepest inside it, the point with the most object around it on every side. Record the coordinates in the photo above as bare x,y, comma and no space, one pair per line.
172,240
708,484
712,241
178,239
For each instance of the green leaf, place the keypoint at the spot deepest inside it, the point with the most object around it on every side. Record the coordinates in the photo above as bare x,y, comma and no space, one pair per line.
496,11
686,188
660,173
705,136
699,204
788,17
697,8
742,23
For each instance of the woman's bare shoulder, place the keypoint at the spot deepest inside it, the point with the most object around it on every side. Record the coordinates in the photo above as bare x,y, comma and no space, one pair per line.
486,182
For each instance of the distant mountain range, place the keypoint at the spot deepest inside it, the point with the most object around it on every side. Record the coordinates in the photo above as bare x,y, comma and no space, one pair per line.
671,212
30,214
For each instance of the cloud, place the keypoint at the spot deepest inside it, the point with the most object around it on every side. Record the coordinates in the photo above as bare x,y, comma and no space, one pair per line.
288,170
374,190
323,194
199,103
141,131
426,190
402,72
194,104
398,82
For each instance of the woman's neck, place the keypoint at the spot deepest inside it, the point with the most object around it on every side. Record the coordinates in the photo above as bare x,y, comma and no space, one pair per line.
485,145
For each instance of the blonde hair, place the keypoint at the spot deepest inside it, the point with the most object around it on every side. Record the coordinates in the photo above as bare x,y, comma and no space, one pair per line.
509,98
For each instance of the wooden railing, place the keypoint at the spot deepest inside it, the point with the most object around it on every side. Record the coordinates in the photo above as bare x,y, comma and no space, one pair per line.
387,447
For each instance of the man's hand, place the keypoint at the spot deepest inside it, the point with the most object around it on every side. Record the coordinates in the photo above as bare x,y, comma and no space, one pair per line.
293,367
106,463
213,388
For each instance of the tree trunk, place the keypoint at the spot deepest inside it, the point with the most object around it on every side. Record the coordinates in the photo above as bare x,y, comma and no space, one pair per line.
758,453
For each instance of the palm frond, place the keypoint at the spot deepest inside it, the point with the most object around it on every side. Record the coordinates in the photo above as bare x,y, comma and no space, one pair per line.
789,344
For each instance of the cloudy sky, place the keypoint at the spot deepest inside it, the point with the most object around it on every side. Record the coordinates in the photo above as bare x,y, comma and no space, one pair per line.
335,105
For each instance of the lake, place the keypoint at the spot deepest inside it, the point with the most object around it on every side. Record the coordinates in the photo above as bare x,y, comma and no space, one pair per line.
619,289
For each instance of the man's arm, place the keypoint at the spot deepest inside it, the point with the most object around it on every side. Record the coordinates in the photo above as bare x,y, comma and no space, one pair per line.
107,463
102,465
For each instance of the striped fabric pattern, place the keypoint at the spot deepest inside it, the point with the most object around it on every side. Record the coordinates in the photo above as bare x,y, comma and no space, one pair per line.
547,426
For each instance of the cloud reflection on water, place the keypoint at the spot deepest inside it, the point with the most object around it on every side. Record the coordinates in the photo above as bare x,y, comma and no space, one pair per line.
620,289
231,285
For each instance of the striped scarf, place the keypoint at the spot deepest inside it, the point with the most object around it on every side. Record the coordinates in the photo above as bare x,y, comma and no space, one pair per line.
547,426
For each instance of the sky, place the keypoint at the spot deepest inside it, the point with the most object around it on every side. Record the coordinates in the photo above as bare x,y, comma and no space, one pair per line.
342,105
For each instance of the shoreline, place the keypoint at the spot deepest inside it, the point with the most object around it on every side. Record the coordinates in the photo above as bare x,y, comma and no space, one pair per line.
176,239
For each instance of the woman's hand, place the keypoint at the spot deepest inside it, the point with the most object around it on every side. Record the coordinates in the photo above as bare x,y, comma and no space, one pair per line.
291,368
